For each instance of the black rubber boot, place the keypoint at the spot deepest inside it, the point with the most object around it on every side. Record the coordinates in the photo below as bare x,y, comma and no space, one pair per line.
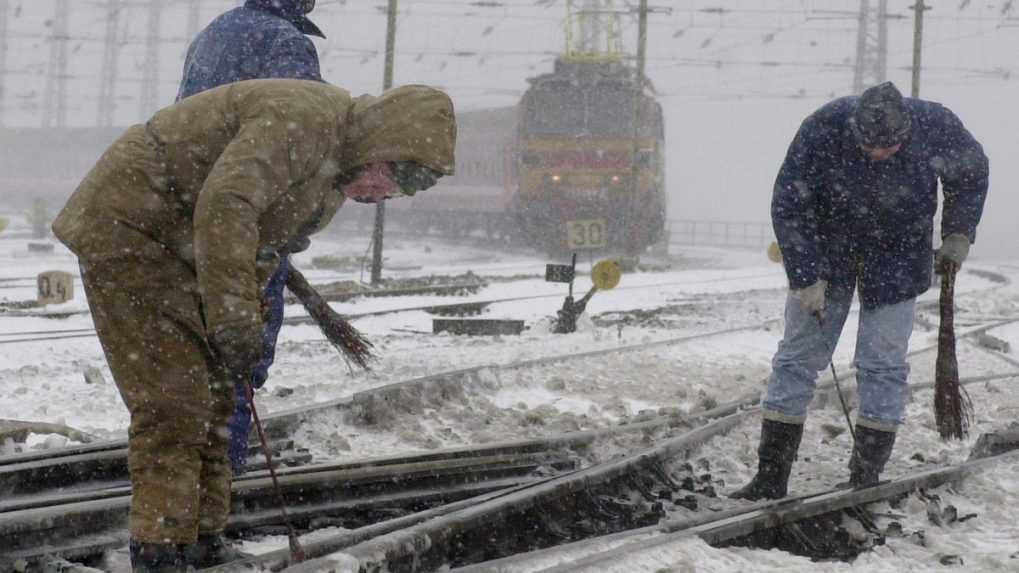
156,558
211,550
776,453
873,448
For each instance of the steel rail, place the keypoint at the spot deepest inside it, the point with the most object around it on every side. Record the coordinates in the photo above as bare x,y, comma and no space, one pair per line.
296,476
308,494
434,535
276,560
726,526
90,545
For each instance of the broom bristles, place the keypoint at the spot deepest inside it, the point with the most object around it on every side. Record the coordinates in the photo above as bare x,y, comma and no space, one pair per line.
353,346
953,408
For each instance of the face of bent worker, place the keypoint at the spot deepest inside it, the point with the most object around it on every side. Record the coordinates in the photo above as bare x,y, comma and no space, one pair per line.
385,180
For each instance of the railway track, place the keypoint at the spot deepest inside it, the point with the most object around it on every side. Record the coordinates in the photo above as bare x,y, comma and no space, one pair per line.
769,519
595,493
611,498
458,308
598,489
107,460
39,528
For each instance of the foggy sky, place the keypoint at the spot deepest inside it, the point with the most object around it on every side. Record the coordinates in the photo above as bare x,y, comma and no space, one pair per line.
734,84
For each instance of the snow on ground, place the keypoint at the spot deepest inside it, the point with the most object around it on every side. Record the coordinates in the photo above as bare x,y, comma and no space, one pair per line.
704,290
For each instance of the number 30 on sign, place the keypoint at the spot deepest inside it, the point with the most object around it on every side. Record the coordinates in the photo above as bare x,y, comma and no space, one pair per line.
586,234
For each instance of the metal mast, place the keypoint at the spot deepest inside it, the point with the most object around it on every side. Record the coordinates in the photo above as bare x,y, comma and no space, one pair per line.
871,45
3,56
55,96
387,82
111,52
593,31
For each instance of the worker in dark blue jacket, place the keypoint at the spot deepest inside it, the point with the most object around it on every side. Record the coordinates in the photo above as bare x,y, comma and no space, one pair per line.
259,40
262,39
853,210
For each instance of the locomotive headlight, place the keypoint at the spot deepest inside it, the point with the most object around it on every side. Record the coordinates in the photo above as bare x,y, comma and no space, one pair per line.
615,179
556,178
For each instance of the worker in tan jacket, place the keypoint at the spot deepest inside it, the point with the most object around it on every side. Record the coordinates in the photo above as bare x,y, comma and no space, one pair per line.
177,229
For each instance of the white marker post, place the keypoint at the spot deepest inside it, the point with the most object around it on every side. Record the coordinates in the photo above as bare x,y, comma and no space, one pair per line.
55,287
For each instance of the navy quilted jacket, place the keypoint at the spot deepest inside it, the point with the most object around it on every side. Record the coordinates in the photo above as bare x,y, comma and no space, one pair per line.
842,217
262,39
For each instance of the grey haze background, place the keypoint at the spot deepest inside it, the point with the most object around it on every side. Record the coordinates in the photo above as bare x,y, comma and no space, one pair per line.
735,77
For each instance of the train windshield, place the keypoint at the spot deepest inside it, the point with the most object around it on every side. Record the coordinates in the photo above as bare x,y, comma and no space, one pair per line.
610,110
555,111
561,108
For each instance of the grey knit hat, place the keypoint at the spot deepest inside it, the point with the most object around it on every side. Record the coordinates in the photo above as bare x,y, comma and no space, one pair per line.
881,118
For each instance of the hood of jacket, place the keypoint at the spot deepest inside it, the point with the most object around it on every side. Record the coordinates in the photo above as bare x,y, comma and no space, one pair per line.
290,10
408,123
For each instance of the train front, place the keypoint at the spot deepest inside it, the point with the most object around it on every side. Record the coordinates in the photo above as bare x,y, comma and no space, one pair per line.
589,181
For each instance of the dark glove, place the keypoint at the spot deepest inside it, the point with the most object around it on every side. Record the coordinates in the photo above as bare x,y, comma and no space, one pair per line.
954,250
238,350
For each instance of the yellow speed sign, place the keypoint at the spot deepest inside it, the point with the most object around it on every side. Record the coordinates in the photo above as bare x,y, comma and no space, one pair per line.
606,275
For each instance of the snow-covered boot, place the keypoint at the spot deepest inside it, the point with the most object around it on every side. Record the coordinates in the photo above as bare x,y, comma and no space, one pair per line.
873,448
776,453
156,558
211,550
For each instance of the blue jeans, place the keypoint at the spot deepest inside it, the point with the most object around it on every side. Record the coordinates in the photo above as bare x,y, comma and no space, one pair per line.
240,422
806,349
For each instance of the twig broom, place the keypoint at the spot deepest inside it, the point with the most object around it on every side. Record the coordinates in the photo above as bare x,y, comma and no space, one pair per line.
352,344
953,408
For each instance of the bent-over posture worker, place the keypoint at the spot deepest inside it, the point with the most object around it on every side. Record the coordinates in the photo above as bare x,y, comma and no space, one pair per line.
177,229
853,210
261,39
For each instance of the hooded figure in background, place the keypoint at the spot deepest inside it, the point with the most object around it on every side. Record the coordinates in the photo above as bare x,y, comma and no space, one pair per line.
178,228
262,39
853,209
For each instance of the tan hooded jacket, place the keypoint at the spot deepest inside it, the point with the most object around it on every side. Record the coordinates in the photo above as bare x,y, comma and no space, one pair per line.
228,178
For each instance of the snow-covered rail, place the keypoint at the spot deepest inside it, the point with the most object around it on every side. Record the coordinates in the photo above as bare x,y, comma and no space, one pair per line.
725,527
34,529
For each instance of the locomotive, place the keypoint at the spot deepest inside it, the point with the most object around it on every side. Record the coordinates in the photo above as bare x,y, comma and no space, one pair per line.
590,160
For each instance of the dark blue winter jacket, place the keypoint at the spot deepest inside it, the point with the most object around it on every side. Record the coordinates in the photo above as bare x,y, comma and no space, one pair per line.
842,217
262,39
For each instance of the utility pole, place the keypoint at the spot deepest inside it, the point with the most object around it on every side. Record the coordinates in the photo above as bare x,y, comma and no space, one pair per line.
642,43
871,45
111,53
638,99
380,207
638,132
55,96
918,10
149,100
3,56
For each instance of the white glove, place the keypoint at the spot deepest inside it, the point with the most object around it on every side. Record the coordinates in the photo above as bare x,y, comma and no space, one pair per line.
812,297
